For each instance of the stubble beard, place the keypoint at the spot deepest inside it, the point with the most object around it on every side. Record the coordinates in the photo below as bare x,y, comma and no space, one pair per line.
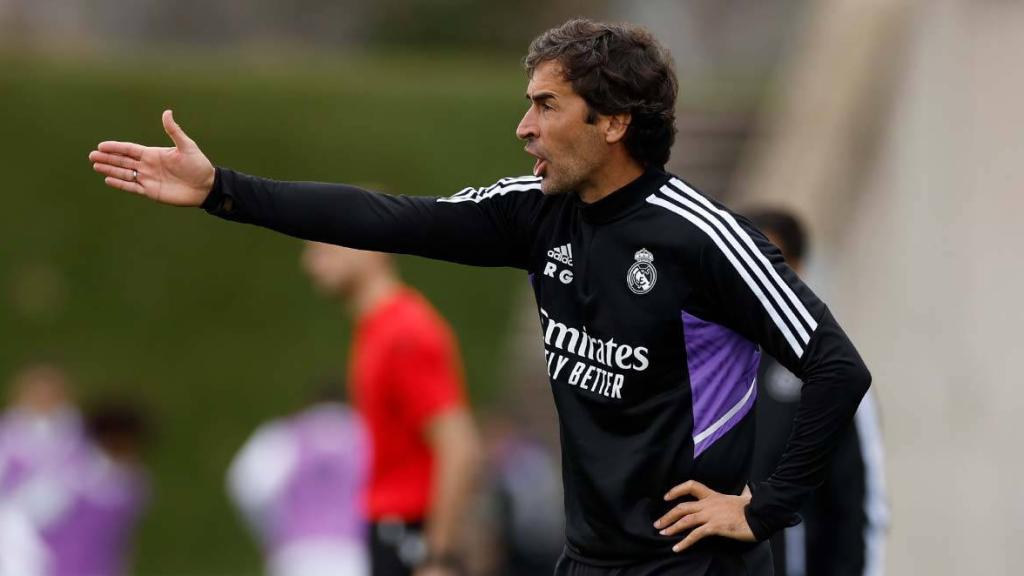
552,186
582,162
570,178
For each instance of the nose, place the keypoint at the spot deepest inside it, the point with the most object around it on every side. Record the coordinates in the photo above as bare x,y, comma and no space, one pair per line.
527,129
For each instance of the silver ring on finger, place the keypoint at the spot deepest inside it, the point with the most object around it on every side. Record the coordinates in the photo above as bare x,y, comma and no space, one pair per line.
135,175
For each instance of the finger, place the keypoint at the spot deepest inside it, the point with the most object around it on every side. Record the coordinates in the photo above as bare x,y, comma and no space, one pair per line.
692,538
116,172
689,488
128,162
678,511
133,187
129,149
688,522
181,140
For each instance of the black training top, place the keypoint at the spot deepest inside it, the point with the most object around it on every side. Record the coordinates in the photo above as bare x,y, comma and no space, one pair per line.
654,304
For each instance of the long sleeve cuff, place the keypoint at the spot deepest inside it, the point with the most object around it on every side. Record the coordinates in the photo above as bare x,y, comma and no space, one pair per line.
215,199
765,514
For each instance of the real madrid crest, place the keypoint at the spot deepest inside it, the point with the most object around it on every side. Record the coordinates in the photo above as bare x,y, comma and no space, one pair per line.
642,275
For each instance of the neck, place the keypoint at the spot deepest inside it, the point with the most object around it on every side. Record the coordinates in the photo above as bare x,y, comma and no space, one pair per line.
369,293
612,176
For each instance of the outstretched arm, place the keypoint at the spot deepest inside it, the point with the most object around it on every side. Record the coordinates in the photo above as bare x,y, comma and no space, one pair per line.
490,226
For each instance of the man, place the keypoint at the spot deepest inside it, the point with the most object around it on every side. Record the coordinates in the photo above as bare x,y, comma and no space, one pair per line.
108,494
844,521
117,490
42,440
653,302
406,382
298,482
80,500
524,501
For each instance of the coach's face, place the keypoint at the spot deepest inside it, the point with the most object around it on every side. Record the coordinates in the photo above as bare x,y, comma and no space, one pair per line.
568,149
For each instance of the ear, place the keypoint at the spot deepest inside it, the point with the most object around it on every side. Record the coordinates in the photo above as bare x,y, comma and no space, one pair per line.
615,129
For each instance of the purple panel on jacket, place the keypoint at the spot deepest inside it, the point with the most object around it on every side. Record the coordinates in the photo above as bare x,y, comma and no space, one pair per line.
723,368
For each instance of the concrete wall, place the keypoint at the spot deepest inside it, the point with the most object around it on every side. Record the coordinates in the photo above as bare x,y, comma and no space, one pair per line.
923,260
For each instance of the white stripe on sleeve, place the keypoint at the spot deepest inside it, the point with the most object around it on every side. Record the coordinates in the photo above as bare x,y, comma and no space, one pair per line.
745,237
754,287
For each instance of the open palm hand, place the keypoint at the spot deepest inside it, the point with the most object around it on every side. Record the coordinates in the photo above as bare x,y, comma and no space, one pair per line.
180,175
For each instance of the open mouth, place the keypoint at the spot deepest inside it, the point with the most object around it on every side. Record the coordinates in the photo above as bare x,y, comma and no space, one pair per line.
540,166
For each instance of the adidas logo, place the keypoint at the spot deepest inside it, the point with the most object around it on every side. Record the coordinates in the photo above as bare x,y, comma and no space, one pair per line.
562,254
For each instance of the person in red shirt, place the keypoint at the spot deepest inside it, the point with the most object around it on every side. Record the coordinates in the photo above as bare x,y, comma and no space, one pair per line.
406,382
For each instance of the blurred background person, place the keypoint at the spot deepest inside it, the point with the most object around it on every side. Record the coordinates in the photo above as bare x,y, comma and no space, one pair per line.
77,489
40,434
525,514
41,429
844,522
100,530
298,482
406,382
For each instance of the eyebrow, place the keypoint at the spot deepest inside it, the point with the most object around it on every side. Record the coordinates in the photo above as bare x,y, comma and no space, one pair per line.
542,96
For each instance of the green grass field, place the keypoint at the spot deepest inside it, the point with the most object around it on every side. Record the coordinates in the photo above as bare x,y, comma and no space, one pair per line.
212,324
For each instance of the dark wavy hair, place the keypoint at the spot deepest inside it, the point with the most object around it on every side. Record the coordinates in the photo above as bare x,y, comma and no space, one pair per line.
617,68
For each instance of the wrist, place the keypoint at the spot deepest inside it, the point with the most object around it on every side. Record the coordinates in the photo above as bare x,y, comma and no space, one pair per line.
207,185
210,175
213,199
